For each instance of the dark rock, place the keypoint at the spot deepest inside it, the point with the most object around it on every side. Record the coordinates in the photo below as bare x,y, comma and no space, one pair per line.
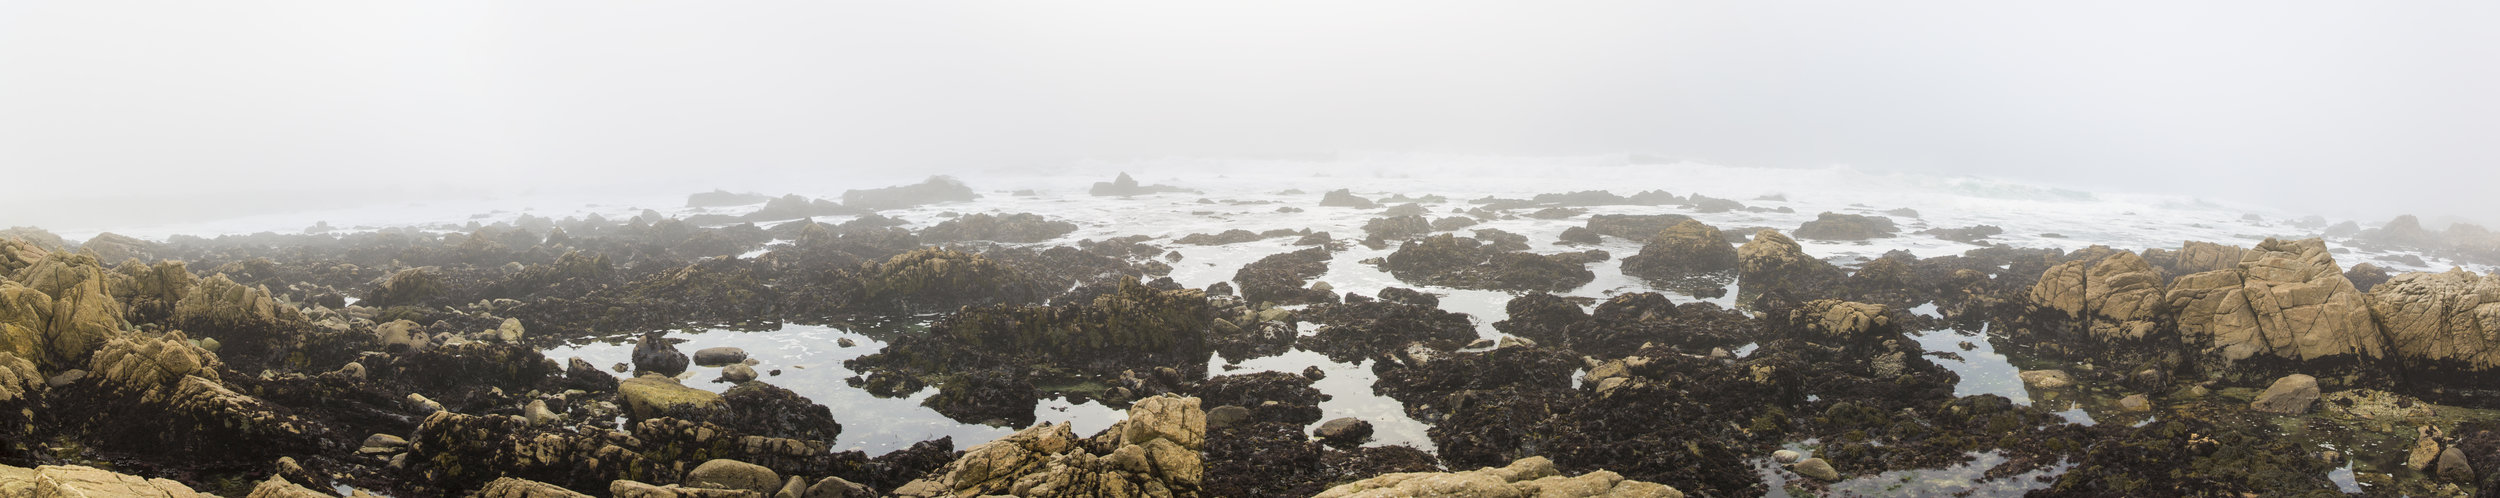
1449,261
1279,279
1969,235
1345,198
1012,228
582,375
1125,186
935,190
1344,432
1580,235
717,356
1634,226
656,353
1396,228
1836,226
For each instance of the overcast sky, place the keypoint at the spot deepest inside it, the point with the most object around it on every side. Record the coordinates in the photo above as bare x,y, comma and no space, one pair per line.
2355,108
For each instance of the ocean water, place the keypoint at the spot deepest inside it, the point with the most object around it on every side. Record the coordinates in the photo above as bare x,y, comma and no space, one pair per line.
1246,194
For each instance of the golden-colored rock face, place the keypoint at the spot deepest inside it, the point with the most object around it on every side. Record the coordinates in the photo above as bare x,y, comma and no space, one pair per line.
2285,299
2120,295
2452,317
67,304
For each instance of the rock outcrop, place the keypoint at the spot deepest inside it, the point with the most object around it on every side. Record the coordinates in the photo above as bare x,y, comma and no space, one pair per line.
1125,186
2441,320
2285,300
1527,477
1153,453
66,301
2117,298
1689,248
1018,228
1836,226
1774,262
936,189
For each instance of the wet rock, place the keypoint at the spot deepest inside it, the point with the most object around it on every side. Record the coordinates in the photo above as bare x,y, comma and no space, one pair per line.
733,474
1233,236
990,396
1580,236
717,356
1124,186
404,335
1786,456
1774,262
936,189
1532,476
1278,279
538,413
1346,431
655,353
1019,228
935,279
1345,198
2425,452
581,375
2290,395
1353,331
1685,250
836,487
1634,226
654,395
2135,403
737,373
1836,226
1395,228
1227,415
2453,466
1816,468
1449,261
1969,235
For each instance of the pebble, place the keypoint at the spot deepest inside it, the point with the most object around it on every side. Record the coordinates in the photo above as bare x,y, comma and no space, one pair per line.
1786,456
737,373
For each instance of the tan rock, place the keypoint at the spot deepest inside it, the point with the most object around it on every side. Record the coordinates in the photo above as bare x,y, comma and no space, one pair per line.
220,305
2289,395
1843,321
83,311
2451,317
2119,295
2291,301
2199,257
1774,261
509,487
81,481
110,246
1527,477
278,487
653,395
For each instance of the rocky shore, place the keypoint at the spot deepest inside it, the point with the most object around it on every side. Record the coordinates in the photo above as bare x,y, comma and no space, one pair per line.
409,362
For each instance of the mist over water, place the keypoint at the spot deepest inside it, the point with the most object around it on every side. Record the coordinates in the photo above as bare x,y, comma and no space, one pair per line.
151,112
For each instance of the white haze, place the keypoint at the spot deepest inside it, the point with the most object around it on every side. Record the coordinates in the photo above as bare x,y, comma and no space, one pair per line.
135,112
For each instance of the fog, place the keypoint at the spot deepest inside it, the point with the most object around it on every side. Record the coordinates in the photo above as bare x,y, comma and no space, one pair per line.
137,112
